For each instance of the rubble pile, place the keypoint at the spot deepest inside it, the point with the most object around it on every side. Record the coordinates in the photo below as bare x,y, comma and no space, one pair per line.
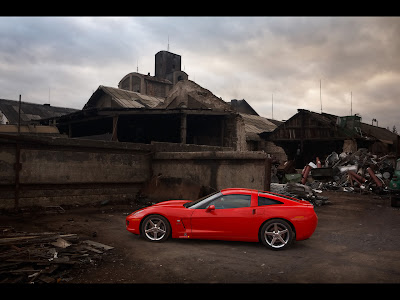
45,257
300,191
360,171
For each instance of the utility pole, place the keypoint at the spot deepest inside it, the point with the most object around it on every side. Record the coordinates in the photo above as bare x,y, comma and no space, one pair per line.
351,103
320,99
19,115
272,106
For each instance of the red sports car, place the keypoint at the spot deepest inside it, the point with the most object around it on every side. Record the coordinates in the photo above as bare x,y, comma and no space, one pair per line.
234,214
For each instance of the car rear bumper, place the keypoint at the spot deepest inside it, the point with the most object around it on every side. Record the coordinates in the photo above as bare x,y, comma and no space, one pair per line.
305,227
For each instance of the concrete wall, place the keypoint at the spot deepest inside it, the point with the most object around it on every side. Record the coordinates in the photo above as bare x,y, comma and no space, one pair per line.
49,171
61,171
217,170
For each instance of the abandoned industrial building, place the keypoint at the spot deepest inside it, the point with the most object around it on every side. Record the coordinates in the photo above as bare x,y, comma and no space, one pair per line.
307,135
125,137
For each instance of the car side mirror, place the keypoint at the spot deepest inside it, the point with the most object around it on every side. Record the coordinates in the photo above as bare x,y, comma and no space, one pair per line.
210,208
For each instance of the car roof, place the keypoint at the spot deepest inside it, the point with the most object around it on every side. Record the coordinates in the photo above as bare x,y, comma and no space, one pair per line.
247,190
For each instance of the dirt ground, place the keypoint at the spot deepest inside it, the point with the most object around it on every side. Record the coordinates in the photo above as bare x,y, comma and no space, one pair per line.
357,240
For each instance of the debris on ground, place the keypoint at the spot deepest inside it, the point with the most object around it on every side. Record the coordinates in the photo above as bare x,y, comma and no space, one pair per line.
360,171
45,257
300,191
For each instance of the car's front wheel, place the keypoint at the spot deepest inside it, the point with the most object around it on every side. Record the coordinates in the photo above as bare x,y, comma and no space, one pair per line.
277,234
155,228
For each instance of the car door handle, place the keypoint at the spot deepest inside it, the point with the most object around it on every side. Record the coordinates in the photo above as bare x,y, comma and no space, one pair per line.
254,211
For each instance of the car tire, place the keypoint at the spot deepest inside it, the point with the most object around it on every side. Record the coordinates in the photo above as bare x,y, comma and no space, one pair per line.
277,234
155,228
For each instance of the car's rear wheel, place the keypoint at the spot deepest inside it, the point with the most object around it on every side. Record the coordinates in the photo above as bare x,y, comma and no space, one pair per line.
277,234
155,228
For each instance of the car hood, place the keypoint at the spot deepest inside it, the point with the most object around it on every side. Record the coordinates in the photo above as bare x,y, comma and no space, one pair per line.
172,203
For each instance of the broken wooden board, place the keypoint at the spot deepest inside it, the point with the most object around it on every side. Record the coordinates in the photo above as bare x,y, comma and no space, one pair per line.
98,245
87,247
35,238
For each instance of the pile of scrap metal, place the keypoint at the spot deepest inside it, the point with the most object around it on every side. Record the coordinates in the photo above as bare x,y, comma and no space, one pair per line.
300,191
360,171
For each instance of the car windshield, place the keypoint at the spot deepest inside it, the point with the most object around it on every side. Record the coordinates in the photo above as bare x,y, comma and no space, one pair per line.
199,202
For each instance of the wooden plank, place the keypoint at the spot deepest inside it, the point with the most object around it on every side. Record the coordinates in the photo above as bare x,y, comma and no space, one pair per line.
22,234
35,238
87,247
43,262
5,241
98,245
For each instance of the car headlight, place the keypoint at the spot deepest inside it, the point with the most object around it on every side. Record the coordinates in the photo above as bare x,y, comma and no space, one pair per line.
136,212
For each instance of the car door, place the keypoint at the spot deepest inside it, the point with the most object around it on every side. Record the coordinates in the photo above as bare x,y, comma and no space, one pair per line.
227,217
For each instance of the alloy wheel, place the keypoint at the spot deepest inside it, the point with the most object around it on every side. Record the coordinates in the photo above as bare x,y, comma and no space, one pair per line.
155,229
277,234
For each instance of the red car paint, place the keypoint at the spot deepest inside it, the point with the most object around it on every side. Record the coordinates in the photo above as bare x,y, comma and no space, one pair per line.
234,224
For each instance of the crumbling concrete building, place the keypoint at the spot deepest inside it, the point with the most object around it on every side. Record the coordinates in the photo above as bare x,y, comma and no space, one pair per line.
189,115
167,107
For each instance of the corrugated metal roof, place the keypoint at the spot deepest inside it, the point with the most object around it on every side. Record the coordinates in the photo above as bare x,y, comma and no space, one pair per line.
255,125
129,99
380,133
31,111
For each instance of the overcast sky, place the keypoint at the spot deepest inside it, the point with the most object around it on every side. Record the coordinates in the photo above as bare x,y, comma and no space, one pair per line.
340,65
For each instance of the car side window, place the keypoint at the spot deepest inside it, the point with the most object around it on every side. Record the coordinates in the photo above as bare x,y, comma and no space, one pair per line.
231,201
267,201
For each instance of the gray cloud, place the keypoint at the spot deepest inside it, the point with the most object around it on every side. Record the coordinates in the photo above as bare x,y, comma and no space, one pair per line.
248,58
